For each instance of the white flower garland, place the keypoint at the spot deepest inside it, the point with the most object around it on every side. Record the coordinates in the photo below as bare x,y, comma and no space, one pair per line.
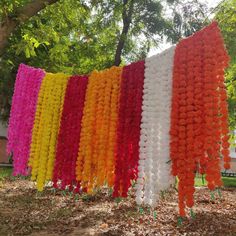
154,167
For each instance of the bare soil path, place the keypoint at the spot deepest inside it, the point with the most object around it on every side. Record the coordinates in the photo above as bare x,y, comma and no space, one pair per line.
23,211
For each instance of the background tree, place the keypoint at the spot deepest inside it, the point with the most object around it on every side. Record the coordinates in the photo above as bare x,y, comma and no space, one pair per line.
226,16
79,36
14,13
187,16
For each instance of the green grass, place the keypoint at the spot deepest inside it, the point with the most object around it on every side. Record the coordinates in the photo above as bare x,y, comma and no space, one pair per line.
228,181
5,172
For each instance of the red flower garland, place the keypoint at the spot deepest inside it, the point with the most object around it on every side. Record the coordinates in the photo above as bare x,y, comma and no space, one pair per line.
69,134
199,129
128,131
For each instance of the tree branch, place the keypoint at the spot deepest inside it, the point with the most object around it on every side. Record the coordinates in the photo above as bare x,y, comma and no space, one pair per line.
21,15
127,18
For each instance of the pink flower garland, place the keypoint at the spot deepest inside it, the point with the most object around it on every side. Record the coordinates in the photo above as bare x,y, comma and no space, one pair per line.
69,134
15,109
21,121
128,132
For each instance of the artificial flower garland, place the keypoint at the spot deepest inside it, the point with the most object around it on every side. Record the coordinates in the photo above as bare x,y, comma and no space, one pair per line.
154,167
51,99
16,109
128,131
35,141
69,134
20,126
198,112
116,128
97,140
217,118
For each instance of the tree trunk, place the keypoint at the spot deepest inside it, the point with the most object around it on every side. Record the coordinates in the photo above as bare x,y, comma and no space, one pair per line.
127,18
21,15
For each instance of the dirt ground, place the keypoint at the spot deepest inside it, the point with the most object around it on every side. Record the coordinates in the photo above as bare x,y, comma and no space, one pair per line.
24,211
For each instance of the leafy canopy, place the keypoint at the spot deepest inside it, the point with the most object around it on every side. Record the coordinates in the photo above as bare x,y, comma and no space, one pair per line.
226,16
78,36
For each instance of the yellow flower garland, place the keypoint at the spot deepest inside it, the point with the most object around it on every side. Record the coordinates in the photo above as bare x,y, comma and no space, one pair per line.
37,129
59,97
95,163
46,127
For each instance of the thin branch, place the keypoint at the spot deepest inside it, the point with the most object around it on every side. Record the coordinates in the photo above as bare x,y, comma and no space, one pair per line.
213,11
21,15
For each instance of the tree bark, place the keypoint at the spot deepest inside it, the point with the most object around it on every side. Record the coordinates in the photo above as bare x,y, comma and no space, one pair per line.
21,15
127,18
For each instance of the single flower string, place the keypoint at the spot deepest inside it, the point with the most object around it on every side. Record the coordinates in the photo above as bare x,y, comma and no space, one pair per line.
107,132
69,134
59,98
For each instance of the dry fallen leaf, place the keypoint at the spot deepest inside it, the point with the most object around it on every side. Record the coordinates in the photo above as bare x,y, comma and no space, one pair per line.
25,212
104,226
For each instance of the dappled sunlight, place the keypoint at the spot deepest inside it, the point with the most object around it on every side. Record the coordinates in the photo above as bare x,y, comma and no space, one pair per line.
26,211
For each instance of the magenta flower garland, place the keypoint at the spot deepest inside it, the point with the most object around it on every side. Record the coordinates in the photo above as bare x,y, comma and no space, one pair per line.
21,121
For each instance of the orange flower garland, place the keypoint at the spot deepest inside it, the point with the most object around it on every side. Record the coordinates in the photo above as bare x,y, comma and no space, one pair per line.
223,60
178,130
95,161
199,129
217,118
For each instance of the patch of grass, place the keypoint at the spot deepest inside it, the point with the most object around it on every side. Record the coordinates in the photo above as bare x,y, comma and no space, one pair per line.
5,172
201,181
228,181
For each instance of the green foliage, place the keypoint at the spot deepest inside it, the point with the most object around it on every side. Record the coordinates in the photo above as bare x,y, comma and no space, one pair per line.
5,172
78,36
226,16
187,16
8,7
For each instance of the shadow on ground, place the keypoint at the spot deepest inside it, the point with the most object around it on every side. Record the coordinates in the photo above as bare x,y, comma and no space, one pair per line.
23,211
